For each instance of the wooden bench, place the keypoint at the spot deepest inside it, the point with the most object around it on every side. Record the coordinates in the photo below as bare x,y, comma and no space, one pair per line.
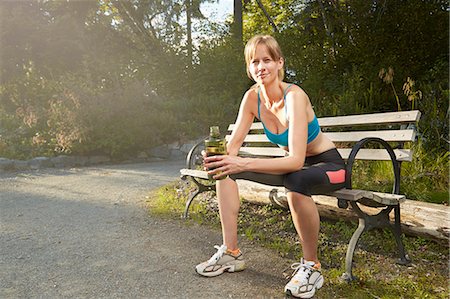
389,136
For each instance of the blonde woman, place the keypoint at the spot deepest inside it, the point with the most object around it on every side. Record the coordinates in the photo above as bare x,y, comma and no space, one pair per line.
312,165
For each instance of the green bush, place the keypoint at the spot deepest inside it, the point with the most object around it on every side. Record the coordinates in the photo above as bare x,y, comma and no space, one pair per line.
75,115
426,177
24,114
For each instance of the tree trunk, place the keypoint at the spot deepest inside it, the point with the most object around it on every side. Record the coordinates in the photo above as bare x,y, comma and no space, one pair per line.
238,21
327,28
418,218
189,31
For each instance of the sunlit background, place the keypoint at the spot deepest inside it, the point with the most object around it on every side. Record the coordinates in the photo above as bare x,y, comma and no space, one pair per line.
117,77
218,11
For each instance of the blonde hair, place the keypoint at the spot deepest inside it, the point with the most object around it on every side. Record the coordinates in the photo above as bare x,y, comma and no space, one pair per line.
272,46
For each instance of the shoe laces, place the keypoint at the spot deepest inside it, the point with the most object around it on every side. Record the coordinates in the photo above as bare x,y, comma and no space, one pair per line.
220,251
302,270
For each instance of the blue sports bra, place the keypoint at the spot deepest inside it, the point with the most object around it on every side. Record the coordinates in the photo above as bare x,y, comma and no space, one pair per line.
282,138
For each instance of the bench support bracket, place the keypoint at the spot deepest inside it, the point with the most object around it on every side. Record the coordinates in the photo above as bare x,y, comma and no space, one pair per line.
380,220
368,222
200,189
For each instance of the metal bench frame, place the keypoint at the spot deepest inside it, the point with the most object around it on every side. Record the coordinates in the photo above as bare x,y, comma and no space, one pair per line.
345,197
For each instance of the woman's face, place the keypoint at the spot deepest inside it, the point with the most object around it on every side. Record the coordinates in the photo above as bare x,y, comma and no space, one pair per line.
263,68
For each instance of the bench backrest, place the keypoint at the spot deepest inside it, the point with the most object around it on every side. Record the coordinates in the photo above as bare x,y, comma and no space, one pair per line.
397,128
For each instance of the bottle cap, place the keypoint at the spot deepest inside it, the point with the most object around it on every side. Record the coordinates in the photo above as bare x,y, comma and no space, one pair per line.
214,131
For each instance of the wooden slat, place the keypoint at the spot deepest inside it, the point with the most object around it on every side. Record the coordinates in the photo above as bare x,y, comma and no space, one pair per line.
253,138
255,126
195,173
361,119
380,197
387,198
262,151
363,154
350,194
370,119
387,135
404,155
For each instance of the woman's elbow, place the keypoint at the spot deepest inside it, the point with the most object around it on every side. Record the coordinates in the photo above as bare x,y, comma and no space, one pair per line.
296,164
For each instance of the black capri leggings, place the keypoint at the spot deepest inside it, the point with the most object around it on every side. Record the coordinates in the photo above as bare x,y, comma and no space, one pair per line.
321,174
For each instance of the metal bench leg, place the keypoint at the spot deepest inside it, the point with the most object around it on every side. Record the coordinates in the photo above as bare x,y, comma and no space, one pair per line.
200,189
189,201
347,276
397,230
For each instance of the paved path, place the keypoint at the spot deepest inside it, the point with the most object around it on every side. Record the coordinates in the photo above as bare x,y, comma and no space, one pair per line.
86,233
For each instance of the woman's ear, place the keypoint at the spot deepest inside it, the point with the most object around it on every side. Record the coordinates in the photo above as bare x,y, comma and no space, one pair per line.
280,63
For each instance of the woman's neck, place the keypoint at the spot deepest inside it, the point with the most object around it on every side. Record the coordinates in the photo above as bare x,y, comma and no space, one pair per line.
272,94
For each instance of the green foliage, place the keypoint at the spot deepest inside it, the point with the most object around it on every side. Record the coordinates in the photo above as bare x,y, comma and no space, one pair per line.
78,116
122,119
24,114
105,104
117,77
380,173
426,177
216,86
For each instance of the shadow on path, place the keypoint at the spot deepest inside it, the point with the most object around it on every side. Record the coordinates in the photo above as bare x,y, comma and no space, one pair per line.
84,233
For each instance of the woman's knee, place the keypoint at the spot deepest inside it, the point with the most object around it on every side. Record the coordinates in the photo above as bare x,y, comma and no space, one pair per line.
227,188
295,199
302,206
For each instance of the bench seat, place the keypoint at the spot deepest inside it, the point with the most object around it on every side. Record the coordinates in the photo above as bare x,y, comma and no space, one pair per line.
345,194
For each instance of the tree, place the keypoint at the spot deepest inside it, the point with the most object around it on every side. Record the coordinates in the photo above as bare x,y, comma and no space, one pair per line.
77,66
237,20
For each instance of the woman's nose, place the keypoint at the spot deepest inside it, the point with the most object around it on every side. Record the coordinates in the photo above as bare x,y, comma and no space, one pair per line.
260,65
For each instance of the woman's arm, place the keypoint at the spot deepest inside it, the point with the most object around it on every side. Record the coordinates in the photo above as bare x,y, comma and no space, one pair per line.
297,103
243,123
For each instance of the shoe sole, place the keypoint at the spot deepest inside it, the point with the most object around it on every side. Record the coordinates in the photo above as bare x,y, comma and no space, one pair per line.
310,294
230,268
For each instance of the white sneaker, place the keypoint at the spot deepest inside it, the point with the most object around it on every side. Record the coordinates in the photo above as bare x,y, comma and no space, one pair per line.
305,281
220,262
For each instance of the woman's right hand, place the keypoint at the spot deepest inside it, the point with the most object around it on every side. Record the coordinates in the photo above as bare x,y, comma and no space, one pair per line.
223,165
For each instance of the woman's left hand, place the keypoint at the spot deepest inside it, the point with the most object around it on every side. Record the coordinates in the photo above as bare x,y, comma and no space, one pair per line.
223,165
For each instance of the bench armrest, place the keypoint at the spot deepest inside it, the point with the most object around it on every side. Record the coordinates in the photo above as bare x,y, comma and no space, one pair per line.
354,152
194,156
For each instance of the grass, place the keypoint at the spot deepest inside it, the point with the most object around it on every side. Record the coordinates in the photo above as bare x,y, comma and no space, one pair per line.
374,260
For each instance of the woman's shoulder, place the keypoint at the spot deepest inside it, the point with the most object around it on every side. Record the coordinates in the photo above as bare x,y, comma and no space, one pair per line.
293,90
292,87
250,99
252,92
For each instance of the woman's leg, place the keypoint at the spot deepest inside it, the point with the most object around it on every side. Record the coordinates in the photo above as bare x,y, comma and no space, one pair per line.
229,203
307,223
227,258
314,179
307,277
228,197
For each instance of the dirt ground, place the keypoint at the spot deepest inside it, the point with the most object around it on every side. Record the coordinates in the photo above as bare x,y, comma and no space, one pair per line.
85,233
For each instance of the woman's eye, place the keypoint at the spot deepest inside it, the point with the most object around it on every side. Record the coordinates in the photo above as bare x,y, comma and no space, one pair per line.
267,60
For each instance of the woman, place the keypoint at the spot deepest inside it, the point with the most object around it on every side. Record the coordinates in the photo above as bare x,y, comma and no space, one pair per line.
312,164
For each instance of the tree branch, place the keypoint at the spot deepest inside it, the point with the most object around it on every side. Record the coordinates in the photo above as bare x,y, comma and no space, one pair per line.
275,29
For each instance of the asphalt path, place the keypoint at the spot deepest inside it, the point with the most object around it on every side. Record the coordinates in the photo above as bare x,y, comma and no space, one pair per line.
86,233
